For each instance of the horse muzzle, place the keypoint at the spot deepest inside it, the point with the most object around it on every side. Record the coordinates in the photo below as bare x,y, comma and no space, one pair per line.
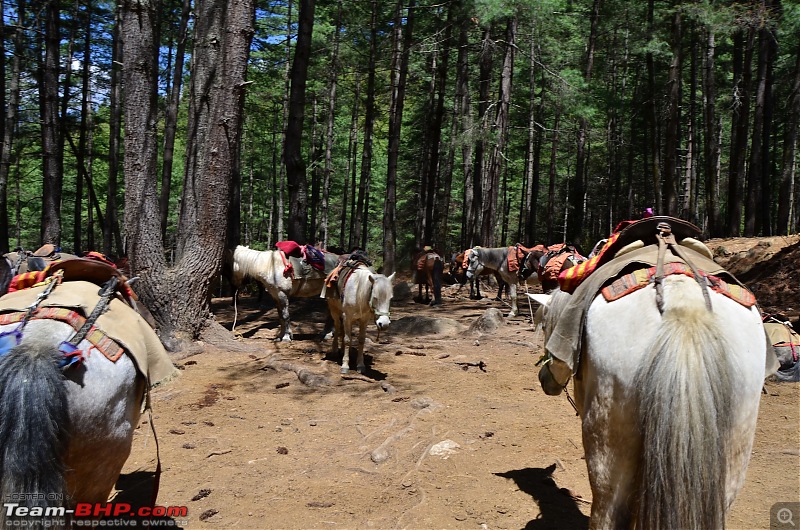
382,322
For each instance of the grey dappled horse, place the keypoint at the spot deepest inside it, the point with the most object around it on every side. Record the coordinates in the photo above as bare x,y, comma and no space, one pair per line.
483,259
67,417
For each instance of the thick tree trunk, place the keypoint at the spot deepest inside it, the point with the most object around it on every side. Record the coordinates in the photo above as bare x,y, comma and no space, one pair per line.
478,172
297,229
179,297
652,120
551,186
80,155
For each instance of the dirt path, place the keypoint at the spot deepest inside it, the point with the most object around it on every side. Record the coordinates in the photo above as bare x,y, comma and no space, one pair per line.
451,431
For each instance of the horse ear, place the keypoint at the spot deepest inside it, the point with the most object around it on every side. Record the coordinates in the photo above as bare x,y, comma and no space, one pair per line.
391,276
371,278
543,299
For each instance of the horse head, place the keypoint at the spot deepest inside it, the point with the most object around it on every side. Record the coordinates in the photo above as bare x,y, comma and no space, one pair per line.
530,264
475,263
381,298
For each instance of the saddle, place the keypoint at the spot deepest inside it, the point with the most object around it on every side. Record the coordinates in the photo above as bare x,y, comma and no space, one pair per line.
517,255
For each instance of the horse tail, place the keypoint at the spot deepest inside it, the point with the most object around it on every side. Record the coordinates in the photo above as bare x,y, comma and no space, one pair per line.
33,424
438,273
685,417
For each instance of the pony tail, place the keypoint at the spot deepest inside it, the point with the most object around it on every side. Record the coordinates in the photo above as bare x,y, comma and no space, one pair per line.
685,421
33,425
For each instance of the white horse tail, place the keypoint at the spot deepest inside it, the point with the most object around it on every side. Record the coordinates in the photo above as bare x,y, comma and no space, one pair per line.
33,425
685,415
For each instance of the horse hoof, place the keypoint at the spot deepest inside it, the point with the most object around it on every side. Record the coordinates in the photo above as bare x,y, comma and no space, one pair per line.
344,370
329,336
362,370
285,338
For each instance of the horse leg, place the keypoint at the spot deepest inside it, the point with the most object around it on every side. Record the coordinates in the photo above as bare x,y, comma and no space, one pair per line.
347,338
362,336
285,331
513,294
612,447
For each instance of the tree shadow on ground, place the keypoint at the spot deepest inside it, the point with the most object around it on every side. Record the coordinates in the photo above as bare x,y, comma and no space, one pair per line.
557,508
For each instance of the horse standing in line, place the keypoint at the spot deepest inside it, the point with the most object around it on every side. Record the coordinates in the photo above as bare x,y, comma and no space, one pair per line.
482,260
71,395
429,269
458,270
537,260
359,296
668,386
270,270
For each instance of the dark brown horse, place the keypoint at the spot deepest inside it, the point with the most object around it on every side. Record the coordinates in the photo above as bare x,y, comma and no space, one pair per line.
429,269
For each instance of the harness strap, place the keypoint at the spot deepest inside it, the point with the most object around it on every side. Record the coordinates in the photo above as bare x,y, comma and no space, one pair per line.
666,239
72,355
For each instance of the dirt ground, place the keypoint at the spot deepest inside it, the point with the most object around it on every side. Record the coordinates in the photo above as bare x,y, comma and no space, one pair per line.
449,430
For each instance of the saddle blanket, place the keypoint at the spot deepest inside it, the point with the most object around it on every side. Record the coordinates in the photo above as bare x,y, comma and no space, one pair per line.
119,322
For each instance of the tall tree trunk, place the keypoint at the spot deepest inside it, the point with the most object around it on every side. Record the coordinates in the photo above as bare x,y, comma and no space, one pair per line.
83,134
349,183
297,229
672,135
52,157
743,41
788,168
531,177
444,179
434,135
111,233
171,117
361,213
575,226
652,118
329,133
400,55
500,130
464,113
711,150
478,172
551,186
11,106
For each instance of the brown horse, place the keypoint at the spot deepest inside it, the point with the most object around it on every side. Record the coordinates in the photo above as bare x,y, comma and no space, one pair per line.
428,272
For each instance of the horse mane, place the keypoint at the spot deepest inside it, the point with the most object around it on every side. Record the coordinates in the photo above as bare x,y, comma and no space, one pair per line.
249,262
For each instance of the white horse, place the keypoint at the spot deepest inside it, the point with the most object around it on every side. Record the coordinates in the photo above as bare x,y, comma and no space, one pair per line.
269,269
367,296
66,430
483,259
668,402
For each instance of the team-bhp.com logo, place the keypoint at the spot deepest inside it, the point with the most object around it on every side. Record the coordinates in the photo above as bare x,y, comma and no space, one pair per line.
93,514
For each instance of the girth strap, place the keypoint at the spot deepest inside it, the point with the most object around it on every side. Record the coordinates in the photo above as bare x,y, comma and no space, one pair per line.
666,239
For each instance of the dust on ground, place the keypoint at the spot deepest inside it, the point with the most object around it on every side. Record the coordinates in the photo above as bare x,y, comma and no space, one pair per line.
449,430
